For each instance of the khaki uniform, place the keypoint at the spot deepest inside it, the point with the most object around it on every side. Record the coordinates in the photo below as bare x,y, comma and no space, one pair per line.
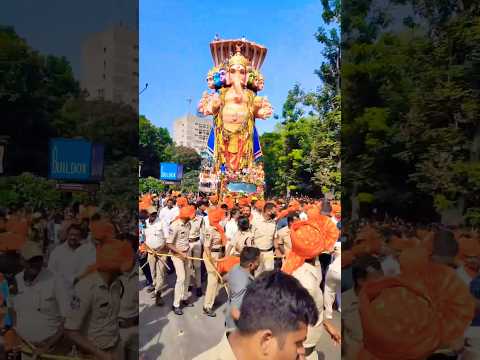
213,242
154,239
264,232
242,239
283,236
221,351
37,308
179,234
351,325
310,277
94,312
196,232
128,316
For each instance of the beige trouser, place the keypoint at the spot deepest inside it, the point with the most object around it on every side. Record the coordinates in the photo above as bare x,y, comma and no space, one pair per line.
157,269
266,262
182,270
332,284
130,345
196,251
212,281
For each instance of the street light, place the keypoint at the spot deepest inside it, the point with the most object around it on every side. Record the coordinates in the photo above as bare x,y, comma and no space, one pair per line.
145,88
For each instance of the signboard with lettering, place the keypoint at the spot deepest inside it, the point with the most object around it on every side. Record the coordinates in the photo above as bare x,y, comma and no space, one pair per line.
76,160
171,171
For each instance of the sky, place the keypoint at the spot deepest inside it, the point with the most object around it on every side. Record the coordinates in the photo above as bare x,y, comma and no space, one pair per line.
58,27
175,53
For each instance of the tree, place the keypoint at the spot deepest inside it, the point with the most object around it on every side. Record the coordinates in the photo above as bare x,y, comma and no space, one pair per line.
33,88
155,147
190,181
186,156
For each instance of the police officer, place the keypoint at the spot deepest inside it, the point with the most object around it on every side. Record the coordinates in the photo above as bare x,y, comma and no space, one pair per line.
38,319
178,243
92,323
196,232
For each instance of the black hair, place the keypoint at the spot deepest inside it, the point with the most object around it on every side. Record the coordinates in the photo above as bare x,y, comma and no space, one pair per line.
234,211
243,223
292,216
75,227
278,302
269,206
361,266
248,255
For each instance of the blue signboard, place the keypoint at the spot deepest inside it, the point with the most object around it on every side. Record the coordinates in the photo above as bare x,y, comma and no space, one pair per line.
242,188
171,171
75,159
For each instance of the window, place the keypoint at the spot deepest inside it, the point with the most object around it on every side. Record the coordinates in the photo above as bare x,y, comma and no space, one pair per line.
104,49
103,76
101,93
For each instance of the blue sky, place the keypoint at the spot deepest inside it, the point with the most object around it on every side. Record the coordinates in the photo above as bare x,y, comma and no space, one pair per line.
175,54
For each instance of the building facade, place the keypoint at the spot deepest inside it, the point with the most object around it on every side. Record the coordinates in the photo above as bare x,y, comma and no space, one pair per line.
192,131
109,65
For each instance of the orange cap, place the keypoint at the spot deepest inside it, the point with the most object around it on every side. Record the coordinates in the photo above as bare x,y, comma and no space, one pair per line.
102,230
187,212
182,201
259,205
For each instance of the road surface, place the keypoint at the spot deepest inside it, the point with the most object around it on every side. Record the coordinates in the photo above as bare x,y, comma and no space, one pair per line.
164,335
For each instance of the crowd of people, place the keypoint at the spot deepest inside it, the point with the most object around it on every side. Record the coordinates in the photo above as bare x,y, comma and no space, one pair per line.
239,243
410,291
69,281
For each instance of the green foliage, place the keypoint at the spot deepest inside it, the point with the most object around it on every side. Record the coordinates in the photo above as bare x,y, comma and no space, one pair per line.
29,191
190,181
411,104
116,190
150,185
155,147
189,157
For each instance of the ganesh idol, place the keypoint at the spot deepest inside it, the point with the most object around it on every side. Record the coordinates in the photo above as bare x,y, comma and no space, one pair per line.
235,104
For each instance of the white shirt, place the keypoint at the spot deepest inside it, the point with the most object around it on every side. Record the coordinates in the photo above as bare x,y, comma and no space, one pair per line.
66,264
37,307
303,216
390,266
231,229
154,237
166,216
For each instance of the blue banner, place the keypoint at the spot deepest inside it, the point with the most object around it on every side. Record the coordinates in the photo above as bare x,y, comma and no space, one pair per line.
70,159
171,171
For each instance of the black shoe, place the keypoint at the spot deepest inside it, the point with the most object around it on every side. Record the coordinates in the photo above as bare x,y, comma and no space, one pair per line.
177,310
190,288
150,289
209,312
186,303
199,292
158,300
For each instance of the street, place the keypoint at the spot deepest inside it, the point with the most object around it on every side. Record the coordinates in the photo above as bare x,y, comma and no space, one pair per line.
164,335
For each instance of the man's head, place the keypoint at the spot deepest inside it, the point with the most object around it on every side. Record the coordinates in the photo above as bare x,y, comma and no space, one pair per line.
246,210
152,216
292,217
74,236
235,213
32,260
202,205
170,203
365,268
243,223
250,258
274,316
269,211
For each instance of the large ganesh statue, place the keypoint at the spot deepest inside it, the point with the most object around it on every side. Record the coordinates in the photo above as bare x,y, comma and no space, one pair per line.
234,103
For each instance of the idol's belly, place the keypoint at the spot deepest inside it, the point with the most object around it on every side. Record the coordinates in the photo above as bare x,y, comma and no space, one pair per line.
234,116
